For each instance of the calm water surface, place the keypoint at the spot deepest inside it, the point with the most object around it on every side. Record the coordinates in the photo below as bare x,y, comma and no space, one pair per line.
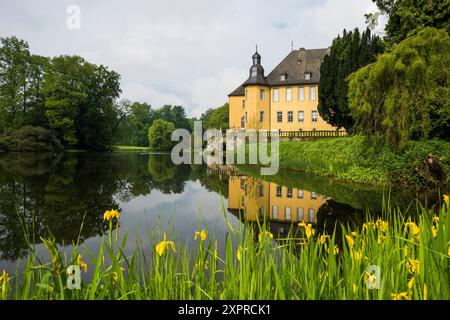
58,191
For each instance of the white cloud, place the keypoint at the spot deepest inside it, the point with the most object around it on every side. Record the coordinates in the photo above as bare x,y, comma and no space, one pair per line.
176,51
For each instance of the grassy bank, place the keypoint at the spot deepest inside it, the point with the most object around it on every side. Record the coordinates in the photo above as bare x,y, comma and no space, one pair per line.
130,148
356,159
412,261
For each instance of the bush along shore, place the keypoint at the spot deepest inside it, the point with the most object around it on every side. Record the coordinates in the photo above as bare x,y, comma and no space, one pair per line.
392,257
416,164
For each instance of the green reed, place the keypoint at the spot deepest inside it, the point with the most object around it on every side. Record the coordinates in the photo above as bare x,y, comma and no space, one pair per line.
412,257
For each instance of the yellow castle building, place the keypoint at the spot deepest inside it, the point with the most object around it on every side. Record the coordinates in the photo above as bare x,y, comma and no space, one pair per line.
285,100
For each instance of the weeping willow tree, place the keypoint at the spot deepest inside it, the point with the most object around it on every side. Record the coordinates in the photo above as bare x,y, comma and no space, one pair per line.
404,95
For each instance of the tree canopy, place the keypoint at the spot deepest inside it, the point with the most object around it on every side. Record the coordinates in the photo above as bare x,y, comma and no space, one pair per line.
407,17
404,94
68,95
216,118
159,135
348,53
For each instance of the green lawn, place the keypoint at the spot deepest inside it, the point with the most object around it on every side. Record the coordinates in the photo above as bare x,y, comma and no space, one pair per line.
131,148
357,159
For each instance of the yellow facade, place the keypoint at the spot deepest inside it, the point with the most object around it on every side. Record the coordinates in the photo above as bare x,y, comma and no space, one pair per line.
298,108
246,109
257,199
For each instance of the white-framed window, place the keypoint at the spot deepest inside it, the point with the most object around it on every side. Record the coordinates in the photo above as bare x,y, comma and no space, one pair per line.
312,93
311,215
301,116
243,103
313,195
300,193
242,122
301,93
307,75
274,212
300,214
289,94
279,116
279,191
261,116
314,116
276,95
283,77
287,213
290,116
261,94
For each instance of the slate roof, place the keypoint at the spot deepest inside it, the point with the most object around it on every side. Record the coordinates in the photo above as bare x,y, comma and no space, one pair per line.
295,65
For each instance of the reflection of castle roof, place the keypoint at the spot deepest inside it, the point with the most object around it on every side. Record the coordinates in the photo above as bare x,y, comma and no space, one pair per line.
294,66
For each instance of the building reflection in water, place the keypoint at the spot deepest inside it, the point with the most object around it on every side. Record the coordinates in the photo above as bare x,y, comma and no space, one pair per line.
252,199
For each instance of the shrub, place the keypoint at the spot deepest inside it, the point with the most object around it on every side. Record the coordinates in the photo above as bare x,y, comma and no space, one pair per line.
30,138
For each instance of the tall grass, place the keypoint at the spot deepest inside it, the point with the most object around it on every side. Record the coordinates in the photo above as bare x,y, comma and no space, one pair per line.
413,258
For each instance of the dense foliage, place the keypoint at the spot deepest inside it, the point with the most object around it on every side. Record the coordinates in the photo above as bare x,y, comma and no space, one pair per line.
159,135
30,138
138,117
406,17
216,118
66,94
405,95
79,102
348,53
21,78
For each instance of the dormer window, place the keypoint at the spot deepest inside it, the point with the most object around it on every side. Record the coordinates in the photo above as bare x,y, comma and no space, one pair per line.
308,75
283,77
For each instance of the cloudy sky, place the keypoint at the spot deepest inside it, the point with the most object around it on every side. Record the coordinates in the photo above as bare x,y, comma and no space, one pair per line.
187,52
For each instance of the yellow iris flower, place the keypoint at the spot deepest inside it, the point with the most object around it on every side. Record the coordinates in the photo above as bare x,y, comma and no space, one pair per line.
350,241
111,214
81,263
4,278
323,238
263,234
164,245
413,266
401,296
308,229
413,227
202,234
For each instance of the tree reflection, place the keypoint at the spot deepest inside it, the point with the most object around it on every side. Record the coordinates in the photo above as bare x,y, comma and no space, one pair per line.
59,192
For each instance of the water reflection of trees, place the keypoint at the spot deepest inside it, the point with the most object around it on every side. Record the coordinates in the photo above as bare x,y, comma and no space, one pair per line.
58,191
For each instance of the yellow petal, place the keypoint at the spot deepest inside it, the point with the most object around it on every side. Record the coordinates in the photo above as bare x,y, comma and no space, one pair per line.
160,248
350,241
411,283
425,291
203,235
